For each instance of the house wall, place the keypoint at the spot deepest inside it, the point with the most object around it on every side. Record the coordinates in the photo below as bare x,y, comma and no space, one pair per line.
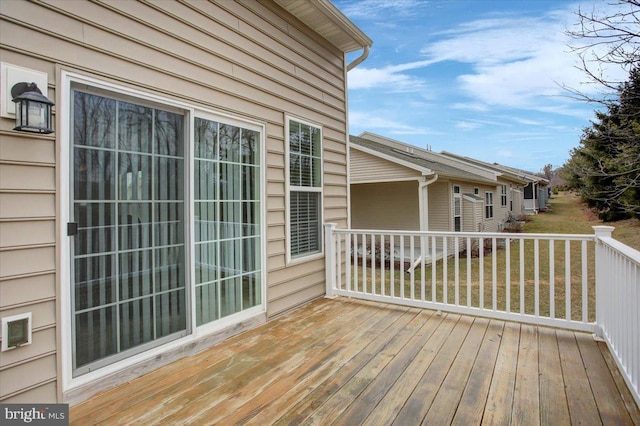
248,59
366,167
440,206
388,205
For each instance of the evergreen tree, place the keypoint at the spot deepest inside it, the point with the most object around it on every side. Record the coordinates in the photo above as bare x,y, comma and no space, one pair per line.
605,168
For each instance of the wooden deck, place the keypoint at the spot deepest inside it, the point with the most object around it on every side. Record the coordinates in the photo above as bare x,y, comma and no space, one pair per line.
347,362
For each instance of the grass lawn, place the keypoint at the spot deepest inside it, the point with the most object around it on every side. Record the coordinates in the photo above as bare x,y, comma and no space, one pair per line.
566,216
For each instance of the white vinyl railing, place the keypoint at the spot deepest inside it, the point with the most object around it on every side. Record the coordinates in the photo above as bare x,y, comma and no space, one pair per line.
618,304
578,282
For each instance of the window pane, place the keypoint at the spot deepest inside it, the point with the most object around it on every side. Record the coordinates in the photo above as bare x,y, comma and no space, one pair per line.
250,186
230,258
251,290
135,176
206,262
168,178
169,223
136,274
230,296
94,120
169,268
96,335
169,133
134,127
207,298
136,322
230,182
96,228
93,175
230,220
171,315
229,143
250,141
206,221
134,225
95,281
305,222
250,219
205,180
206,139
295,169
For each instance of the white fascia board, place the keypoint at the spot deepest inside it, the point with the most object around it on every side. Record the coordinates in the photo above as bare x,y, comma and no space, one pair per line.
424,170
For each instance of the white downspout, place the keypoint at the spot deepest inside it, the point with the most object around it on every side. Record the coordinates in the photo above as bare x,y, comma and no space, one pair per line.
423,202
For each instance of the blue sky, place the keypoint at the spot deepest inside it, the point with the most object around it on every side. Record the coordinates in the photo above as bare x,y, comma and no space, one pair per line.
473,77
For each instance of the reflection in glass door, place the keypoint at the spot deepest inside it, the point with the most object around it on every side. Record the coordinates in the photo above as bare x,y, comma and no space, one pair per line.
227,219
129,250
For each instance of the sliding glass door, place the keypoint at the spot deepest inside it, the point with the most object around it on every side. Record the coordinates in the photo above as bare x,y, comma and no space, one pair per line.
128,210
227,219
132,287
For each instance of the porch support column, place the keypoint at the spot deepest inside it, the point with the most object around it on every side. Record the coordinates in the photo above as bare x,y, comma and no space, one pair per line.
330,258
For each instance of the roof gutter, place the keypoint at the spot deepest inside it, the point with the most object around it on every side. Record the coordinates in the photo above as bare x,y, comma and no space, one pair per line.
359,59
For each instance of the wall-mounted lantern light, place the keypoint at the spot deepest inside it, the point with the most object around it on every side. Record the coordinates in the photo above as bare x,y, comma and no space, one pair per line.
33,109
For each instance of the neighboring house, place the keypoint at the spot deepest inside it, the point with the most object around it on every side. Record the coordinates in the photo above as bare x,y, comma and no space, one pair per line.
535,192
396,186
512,183
198,148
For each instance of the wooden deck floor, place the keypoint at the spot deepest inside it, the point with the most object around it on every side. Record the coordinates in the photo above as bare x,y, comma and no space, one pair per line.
347,362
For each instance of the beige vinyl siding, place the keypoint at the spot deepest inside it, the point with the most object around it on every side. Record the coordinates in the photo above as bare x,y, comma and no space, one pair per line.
388,205
470,215
248,59
366,167
440,208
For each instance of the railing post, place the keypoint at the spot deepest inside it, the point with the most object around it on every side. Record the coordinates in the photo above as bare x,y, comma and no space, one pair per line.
601,278
330,257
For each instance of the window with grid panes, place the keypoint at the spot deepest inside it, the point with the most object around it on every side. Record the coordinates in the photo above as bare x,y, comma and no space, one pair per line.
305,188
488,205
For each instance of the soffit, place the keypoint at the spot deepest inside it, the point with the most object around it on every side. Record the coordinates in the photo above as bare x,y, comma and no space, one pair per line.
327,20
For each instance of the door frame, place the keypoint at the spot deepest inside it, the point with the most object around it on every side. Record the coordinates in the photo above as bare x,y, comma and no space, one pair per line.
66,381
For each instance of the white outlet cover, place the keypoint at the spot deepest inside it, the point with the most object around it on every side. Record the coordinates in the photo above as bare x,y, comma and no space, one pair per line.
10,75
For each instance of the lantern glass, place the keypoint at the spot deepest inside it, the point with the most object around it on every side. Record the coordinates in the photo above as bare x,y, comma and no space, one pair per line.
33,111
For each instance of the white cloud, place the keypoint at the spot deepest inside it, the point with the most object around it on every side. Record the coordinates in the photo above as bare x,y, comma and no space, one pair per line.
505,153
363,121
467,125
370,9
390,77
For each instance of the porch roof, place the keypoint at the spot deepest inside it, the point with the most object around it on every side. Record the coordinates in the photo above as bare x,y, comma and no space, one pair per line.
358,362
444,170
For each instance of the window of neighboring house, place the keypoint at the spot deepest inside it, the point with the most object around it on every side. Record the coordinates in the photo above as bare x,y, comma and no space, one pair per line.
457,209
132,256
488,205
503,196
304,141
476,191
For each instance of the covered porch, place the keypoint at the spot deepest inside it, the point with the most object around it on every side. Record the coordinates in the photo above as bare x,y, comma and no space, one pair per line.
351,362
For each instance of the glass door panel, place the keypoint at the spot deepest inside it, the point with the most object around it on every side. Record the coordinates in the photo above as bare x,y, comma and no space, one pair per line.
227,220
129,277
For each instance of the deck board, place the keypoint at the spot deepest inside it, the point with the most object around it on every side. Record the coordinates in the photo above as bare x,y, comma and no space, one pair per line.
349,362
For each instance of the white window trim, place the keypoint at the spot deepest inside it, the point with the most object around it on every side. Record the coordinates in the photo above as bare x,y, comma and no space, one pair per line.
63,214
492,205
457,195
504,196
288,188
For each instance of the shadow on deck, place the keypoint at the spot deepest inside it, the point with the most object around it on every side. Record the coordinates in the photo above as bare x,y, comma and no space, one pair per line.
354,362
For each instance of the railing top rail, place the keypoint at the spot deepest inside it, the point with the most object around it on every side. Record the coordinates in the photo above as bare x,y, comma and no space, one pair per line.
623,249
523,235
